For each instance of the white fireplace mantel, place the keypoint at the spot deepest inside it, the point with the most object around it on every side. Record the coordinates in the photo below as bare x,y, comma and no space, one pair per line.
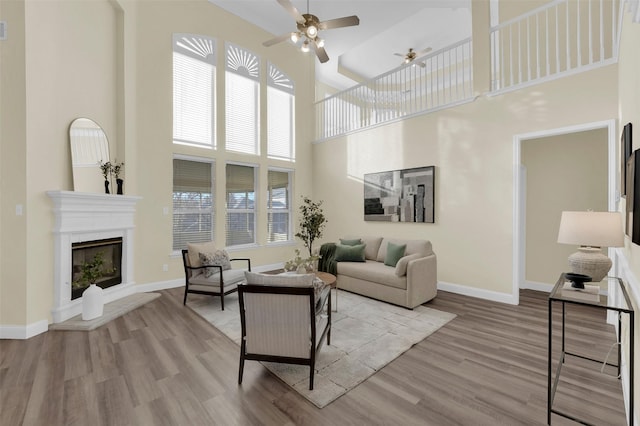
79,217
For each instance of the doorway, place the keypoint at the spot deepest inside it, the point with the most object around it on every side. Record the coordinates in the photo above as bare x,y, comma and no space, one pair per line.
520,190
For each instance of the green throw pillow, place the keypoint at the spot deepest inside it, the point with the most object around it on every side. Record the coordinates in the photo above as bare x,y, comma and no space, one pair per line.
394,253
350,242
346,253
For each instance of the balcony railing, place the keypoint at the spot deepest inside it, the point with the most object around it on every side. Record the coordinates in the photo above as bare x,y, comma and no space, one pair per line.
561,38
555,40
440,79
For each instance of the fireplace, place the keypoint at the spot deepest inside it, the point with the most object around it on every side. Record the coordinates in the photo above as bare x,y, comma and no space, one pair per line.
109,251
87,224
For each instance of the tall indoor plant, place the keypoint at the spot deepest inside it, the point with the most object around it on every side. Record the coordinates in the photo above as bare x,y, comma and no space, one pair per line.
312,222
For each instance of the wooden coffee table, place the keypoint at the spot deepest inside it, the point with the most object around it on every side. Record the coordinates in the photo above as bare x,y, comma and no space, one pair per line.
330,280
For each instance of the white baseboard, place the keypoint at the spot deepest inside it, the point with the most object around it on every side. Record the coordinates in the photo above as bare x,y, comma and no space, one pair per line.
537,286
30,330
478,293
23,331
159,285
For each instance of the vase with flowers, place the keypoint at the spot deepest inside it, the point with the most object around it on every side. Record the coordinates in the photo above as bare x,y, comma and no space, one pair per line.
302,265
108,169
105,168
116,169
92,299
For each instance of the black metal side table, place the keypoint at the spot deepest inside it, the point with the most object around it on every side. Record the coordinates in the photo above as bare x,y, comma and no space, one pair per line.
561,295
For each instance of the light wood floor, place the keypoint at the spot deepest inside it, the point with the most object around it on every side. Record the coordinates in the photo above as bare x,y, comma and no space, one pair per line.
162,364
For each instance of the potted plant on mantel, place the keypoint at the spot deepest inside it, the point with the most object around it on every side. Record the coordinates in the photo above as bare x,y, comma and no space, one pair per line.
105,168
115,169
312,223
92,299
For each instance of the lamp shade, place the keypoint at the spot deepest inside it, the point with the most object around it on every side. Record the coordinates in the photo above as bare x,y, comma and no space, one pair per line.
592,229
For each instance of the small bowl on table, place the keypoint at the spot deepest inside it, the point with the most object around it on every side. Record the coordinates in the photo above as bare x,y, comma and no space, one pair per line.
577,280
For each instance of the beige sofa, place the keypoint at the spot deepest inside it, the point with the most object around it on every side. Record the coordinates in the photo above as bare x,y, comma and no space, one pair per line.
412,282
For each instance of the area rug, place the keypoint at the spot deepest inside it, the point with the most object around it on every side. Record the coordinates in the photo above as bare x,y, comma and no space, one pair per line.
365,336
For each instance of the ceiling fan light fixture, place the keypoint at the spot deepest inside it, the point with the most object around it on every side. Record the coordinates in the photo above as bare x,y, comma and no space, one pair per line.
308,27
312,31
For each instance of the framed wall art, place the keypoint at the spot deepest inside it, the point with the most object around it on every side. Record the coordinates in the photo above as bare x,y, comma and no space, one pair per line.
633,197
400,195
625,153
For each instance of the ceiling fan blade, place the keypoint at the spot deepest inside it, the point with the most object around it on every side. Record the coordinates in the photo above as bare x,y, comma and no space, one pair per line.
402,55
292,10
423,51
321,54
277,40
346,21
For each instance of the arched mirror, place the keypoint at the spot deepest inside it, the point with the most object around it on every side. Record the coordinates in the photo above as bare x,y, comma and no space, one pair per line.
89,148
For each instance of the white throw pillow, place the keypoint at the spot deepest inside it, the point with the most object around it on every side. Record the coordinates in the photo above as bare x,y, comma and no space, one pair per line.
196,248
217,258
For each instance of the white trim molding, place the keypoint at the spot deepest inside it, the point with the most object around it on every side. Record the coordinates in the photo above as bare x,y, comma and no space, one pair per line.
477,293
81,216
519,189
23,331
30,330
634,9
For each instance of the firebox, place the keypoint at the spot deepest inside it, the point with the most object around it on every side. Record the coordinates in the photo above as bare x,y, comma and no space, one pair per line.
85,252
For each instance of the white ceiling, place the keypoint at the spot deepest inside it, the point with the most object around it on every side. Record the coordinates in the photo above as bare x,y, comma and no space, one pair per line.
367,50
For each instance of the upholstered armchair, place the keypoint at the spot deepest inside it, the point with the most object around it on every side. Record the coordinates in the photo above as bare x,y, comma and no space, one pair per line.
285,318
208,271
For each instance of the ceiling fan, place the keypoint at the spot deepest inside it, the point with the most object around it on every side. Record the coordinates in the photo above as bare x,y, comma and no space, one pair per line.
308,28
411,55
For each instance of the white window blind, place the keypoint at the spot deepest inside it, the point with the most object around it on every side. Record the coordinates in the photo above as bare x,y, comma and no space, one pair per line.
280,115
278,206
242,101
240,187
192,202
194,85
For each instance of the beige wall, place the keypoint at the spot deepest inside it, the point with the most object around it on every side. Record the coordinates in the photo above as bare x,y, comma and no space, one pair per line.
629,111
154,149
13,163
472,148
565,172
111,61
122,79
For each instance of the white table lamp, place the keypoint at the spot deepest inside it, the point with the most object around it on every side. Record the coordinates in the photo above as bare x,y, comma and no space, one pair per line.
591,231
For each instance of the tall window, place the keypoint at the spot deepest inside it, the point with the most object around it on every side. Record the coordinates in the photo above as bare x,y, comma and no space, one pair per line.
192,202
242,103
280,115
194,82
241,217
278,206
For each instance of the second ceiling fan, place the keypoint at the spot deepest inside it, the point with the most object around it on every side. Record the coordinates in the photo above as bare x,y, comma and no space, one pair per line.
308,28
411,55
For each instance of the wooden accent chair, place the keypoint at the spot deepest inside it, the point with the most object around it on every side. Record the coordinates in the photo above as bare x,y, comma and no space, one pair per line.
284,318
220,283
